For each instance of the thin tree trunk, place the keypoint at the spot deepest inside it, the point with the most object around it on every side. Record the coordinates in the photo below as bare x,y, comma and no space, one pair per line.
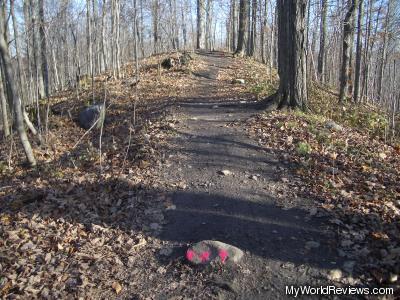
19,119
322,42
141,29
234,22
200,24
38,74
43,49
209,23
272,42
357,76
29,55
369,48
17,53
252,37
155,9
184,25
103,36
263,31
383,57
89,61
4,112
347,40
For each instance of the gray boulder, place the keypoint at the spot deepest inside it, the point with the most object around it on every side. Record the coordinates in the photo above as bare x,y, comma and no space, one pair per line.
333,126
208,251
168,63
238,81
90,115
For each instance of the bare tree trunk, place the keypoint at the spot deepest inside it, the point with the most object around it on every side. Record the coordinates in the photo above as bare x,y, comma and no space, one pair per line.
103,36
175,26
243,20
200,24
232,42
141,29
272,43
263,31
383,57
4,112
43,49
252,35
29,55
184,25
322,42
291,54
89,61
155,13
357,76
17,53
19,119
66,77
370,41
117,45
209,24
348,31
38,74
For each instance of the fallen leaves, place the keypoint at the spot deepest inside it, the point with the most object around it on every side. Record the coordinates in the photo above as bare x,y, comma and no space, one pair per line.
354,177
117,287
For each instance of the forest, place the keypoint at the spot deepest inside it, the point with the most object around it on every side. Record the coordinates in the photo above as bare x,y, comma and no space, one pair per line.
199,149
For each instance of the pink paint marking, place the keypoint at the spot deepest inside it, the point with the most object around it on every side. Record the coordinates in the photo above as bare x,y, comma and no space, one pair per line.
190,255
223,254
205,256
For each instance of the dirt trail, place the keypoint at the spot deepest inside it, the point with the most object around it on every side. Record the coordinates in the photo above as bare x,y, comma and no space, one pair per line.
240,208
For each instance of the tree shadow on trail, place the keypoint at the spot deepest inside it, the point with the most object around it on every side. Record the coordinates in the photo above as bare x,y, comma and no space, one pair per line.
261,229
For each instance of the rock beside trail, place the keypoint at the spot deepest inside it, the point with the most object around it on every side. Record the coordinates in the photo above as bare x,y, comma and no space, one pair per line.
90,115
208,251
238,81
172,61
169,63
335,274
333,126
225,172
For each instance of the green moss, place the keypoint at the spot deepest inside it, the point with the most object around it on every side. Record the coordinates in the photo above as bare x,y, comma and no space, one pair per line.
303,149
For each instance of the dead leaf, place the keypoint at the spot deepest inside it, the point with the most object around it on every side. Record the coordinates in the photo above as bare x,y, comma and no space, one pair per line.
117,287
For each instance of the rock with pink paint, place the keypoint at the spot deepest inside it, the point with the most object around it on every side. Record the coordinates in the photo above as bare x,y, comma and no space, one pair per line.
208,251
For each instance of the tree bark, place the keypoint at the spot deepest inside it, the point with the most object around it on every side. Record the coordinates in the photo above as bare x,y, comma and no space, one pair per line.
184,25
155,9
4,111
89,61
43,49
200,24
357,75
17,53
348,31
263,31
322,42
243,20
292,90
233,25
252,37
38,74
209,24
103,36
